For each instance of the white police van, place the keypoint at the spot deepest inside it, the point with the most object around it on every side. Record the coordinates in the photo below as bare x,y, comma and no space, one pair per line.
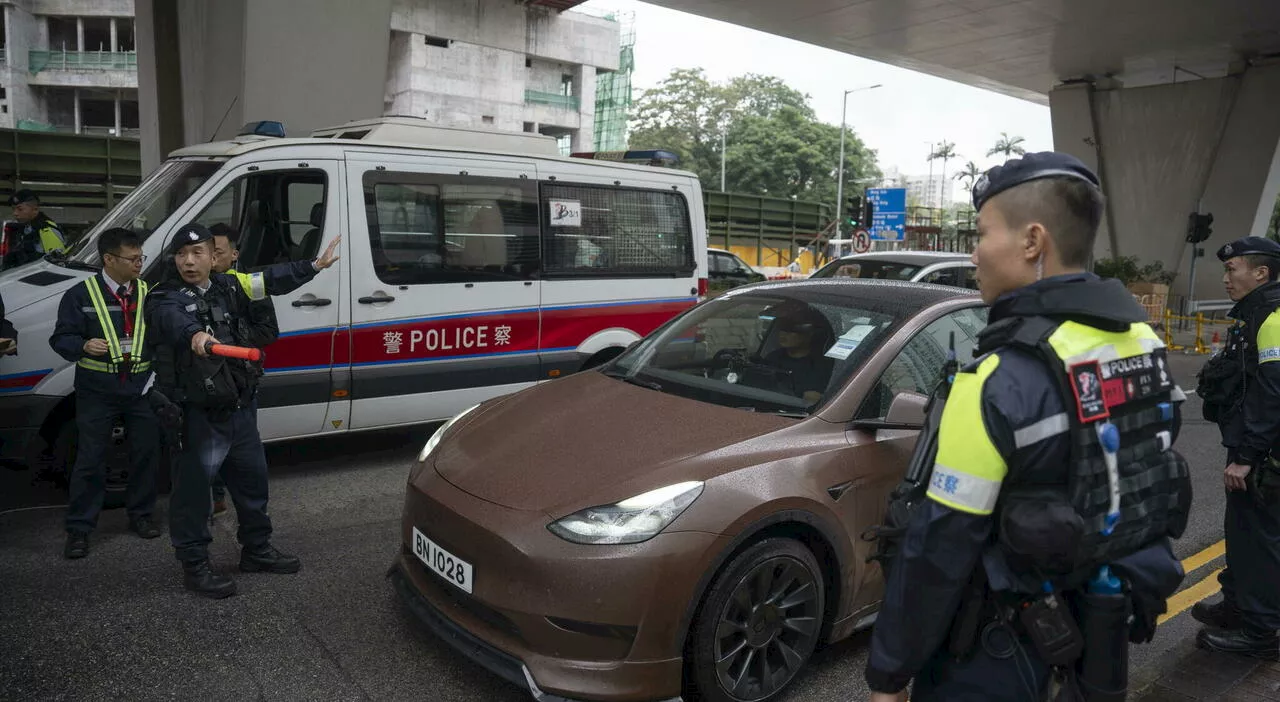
473,264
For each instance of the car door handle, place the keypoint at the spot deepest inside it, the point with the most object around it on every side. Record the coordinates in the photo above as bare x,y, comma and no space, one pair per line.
371,300
318,302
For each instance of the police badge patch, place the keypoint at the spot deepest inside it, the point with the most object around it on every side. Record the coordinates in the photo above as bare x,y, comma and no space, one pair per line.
1086,385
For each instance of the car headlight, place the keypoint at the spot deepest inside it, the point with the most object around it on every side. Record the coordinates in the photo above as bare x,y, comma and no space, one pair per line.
630,521
434,441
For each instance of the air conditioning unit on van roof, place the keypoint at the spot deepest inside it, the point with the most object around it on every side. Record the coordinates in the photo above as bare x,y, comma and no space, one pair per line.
419,132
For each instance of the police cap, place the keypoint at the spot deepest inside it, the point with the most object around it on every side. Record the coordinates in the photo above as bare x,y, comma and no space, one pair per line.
22,196
189,234
1249,246
1033,166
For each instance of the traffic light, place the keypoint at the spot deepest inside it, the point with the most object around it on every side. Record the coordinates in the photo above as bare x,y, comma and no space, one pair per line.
868,212
1199,227
854,211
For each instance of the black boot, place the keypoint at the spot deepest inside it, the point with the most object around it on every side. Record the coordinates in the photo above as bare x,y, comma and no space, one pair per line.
1221,615
77,545
1244,642
268,559
198,577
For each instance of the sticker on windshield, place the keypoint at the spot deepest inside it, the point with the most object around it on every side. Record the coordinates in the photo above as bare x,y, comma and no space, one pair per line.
566,213
849,341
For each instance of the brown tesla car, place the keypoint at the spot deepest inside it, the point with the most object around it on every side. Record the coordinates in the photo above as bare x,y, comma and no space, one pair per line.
686,517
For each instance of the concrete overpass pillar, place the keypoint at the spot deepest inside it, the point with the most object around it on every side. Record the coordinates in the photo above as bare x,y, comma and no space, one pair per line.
206,67
1162,150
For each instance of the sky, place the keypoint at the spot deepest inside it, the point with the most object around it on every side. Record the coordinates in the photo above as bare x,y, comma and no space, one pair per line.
899,119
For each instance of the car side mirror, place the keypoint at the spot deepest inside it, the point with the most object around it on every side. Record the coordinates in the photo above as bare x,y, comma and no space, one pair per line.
907,408
906,411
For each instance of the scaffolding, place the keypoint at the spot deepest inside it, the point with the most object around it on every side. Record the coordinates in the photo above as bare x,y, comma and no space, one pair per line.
613,90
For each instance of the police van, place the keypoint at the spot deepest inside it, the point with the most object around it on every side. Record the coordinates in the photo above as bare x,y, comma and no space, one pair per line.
474,264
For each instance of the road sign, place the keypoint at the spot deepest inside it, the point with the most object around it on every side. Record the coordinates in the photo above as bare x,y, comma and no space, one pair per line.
889,213
861,241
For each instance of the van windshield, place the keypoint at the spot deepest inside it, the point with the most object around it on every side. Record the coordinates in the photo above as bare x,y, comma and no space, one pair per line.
149,205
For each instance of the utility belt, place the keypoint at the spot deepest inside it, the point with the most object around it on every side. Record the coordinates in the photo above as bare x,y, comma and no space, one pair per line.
1056,625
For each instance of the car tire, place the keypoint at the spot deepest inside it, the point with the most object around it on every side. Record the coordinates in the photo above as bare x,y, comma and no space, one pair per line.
745,647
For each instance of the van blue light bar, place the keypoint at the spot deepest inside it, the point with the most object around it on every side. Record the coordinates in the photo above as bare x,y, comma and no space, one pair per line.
653,157
263,128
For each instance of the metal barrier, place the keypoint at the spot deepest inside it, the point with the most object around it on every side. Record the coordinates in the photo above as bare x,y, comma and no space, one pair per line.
1200,321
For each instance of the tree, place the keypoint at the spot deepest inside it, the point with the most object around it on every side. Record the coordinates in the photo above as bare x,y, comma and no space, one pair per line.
945,151
969,174
1273,229
1008,146
776,146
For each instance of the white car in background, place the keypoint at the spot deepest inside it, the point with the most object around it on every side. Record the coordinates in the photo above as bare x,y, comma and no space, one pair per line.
937,267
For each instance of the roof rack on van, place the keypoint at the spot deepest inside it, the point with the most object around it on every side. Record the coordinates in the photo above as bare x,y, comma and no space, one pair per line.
652,157
420,132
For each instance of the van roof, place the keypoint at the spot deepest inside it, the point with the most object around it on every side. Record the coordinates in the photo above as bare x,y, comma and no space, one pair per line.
410,134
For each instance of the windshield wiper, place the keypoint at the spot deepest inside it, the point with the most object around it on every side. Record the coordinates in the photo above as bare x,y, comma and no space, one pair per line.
59,259
634,381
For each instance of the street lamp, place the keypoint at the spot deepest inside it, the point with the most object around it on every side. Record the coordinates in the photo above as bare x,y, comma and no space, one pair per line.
844,109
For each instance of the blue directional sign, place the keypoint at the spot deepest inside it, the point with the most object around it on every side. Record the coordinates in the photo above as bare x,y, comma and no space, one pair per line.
889,213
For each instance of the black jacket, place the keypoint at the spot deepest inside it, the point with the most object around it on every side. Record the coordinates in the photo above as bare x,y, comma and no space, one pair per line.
942,546
1252,433
78,322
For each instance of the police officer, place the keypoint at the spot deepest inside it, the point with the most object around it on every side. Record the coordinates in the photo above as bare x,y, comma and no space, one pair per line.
102,328
34,234
278,279
1018,520
219,413
1248,414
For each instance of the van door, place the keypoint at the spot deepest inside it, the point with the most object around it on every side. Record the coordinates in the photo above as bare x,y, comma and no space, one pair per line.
286,211
445,266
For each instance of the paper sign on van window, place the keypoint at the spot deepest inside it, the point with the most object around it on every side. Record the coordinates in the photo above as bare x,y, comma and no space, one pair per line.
566,213
849,341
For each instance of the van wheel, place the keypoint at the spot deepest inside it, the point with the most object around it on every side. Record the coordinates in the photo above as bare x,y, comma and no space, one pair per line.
602,357
117,479
759,623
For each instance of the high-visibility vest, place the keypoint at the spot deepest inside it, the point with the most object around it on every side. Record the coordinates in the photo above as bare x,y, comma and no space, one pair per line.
115,349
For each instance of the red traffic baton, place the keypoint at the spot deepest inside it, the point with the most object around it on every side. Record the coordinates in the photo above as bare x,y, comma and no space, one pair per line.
242,352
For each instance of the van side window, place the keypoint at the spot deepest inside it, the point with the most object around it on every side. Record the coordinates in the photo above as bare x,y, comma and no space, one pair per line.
598,230
263,208
441,229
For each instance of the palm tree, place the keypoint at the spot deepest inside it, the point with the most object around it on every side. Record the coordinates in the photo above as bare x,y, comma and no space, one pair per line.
969,174
1008,146
945,151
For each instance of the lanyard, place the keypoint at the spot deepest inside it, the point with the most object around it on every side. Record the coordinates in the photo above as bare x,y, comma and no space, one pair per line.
125,311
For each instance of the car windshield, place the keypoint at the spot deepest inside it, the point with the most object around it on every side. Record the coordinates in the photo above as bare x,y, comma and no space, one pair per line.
149,205
778,351
867,268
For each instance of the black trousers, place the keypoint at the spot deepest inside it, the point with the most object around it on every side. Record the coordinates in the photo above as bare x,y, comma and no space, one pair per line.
233,446
1251,580
1004,667
96,413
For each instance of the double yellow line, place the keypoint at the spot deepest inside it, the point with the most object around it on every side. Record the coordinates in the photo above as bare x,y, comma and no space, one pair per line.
1207,587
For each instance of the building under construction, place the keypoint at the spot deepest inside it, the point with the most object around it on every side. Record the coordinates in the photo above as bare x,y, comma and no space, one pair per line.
613,90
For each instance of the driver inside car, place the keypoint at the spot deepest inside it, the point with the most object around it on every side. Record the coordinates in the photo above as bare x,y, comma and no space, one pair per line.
806,371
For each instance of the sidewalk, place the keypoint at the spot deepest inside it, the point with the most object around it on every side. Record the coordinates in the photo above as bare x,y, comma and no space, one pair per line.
1213,677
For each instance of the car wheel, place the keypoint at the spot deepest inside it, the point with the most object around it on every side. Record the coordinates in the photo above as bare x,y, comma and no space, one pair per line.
759,623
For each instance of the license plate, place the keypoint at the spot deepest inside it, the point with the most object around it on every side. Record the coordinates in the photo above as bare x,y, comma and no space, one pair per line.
439,561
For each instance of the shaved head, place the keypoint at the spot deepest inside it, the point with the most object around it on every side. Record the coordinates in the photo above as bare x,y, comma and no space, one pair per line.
1070,210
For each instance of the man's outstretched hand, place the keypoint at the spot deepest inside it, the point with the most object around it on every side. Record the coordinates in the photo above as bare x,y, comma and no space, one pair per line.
329,257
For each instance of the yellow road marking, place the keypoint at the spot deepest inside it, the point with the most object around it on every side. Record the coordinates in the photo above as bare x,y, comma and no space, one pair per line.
1183,600
1200,559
